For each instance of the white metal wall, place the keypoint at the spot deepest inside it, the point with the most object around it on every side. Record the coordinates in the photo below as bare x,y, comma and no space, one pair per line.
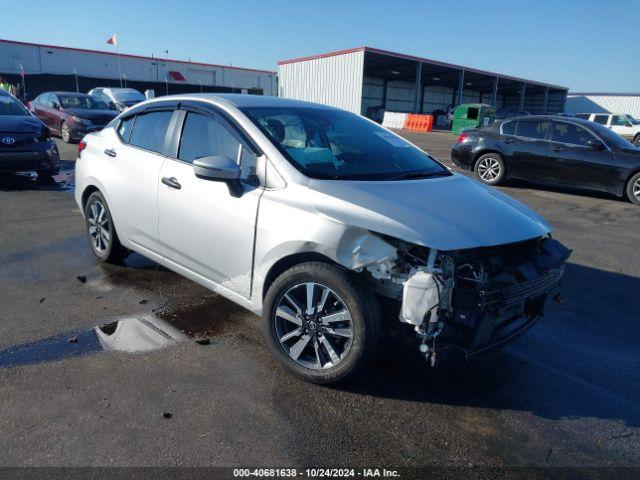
37,59
336,80
604,103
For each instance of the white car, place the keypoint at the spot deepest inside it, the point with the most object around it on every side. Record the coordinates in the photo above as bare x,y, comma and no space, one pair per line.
118,99
621,123
326,224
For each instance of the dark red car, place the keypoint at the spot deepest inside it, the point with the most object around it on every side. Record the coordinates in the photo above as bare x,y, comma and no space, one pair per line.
71,115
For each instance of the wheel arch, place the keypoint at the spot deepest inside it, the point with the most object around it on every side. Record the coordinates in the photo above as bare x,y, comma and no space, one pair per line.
289,261
86,193
626,182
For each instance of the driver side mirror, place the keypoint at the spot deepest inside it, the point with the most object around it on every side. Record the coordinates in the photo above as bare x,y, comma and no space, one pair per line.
55,105
595,144
221,169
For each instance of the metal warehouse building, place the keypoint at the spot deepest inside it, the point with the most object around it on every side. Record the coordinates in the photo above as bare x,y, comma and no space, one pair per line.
628,103
364,78
48,67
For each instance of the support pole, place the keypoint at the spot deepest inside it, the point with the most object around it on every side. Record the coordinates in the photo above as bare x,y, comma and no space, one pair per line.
523,89
494,98
460,88
546,100
418,88
384,94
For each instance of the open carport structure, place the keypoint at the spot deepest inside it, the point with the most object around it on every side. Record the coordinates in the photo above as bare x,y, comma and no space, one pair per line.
365,79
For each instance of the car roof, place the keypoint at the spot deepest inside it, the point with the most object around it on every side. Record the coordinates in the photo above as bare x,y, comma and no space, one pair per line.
68,94
245,100
579,121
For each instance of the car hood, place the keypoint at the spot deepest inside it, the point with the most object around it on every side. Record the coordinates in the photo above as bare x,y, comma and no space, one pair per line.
19,124
447,213
91,114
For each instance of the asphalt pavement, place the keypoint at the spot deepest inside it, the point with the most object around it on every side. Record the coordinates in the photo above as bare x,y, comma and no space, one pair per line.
565,394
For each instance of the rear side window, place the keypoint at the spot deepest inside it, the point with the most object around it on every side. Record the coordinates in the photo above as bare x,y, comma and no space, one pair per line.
124,129
601,119
149,130
583,116
509,128
533,129
570,133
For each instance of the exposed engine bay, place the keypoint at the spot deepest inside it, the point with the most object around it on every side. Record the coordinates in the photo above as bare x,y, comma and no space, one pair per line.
466,302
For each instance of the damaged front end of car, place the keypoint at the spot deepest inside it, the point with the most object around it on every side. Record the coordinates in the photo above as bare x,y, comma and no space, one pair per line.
466,302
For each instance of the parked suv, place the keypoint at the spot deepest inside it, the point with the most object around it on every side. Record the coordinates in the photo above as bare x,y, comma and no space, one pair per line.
326,224
621,123
71,115
118,99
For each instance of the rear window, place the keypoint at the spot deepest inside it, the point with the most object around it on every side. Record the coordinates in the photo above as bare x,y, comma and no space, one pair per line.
149,130
533,129
472,113
601,119
509,128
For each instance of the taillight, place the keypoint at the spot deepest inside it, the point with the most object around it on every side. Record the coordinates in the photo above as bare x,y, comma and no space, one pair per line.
81,147
462,137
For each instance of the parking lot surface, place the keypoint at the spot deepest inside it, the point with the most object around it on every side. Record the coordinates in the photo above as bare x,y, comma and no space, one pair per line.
565,394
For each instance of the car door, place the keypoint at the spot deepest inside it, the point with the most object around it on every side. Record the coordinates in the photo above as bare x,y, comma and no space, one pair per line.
138,157
581,165
41,108
530,157
205,229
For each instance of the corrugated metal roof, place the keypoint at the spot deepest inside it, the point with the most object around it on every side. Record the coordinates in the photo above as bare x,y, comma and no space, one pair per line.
129,55
418,59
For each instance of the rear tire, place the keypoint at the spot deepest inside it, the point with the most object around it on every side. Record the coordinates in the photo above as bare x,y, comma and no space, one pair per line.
101,232
490,169
326,334
636,140
633,189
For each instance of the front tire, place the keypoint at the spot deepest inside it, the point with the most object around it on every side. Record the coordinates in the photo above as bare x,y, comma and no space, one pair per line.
633,189
321,323
490,169
101,232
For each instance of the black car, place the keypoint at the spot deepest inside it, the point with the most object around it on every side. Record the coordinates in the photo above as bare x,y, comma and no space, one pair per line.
71,115
553,150
25,143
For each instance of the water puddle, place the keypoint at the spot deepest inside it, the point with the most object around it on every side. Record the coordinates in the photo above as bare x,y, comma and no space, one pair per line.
133,335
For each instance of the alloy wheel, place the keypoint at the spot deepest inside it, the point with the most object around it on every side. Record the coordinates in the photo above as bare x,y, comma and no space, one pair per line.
636,189
66,133
99,227
314,326
489,169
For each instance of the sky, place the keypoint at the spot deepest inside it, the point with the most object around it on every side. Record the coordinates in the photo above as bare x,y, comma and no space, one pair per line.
586,45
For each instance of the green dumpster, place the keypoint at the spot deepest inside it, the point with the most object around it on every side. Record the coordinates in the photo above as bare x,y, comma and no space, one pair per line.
472,115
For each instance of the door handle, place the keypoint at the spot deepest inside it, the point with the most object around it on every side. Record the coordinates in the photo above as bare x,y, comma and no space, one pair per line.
508,140
171,182
110,152
557,148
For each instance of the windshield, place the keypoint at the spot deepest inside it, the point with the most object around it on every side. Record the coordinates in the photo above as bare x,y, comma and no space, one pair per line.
634,121
334,144
11,106
127,96
85,102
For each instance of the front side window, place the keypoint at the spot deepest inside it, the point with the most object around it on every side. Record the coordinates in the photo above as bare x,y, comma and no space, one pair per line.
205,135
533,129
620,121
149,130
601,119
334,144
11,106
570,133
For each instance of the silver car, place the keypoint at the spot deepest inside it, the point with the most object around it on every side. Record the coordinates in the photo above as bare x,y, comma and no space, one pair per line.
331,227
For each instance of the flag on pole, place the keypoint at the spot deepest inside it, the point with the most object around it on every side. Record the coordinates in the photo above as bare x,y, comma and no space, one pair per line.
113,40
